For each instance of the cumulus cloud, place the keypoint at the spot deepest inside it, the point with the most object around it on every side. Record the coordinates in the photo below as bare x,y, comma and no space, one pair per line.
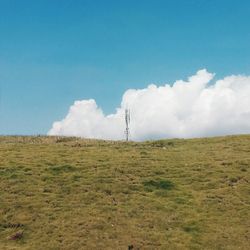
185,109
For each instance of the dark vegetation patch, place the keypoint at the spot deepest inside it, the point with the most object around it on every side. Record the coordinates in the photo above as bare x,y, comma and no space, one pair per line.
7,171
11,172
62,169
76,177
191,228
243,169
158,184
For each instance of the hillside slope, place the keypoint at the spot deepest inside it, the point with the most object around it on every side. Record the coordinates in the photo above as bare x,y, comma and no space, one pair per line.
69,193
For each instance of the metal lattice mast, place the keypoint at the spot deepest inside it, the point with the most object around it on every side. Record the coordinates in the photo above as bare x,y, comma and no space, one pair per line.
127,121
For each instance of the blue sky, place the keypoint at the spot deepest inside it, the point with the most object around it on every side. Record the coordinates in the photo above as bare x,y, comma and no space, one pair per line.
53,52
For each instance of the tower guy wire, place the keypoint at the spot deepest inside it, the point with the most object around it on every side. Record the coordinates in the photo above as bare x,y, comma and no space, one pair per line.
127,121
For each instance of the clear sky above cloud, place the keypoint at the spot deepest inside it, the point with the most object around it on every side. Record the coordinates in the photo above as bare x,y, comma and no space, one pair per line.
53,53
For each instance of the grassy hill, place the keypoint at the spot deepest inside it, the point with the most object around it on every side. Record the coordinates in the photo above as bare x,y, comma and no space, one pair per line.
70,193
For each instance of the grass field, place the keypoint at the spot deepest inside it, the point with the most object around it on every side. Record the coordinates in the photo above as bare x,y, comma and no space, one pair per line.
70,193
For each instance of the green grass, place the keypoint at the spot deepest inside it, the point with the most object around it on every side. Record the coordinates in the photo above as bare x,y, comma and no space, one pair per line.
70,193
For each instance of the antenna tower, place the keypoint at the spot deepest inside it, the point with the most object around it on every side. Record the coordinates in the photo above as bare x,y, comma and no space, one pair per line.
127,121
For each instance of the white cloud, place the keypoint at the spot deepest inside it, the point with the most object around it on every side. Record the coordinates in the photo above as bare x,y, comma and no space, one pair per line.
193,108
